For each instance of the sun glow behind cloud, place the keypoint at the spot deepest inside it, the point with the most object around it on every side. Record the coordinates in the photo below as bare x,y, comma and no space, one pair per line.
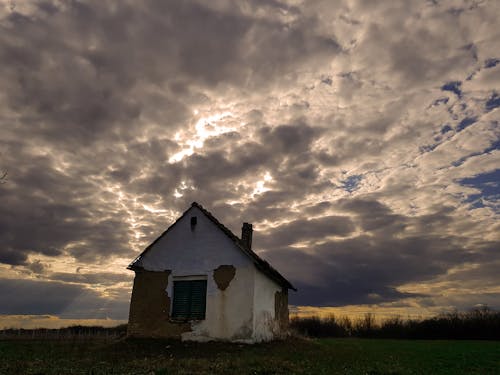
204,128
261,184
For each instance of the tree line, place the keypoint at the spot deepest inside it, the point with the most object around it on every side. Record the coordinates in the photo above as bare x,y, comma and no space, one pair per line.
478,324
72,332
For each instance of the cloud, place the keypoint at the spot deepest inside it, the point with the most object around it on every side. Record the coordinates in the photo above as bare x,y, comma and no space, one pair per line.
301,230
55,298
50,213
347,134
373,267
99,278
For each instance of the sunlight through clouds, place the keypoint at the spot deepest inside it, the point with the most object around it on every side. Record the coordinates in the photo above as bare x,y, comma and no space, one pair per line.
361,140
205,128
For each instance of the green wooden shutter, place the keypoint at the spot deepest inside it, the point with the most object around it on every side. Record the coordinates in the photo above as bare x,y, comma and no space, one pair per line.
189,299
198,299
180,308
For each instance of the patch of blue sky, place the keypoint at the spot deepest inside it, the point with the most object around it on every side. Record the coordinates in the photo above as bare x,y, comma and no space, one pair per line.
446,129
351,183
453,86
466,122
493,102
489,186
492,62
494,146
488,183
475,201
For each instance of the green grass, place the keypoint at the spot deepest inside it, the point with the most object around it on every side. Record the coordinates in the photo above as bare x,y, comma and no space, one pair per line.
294,356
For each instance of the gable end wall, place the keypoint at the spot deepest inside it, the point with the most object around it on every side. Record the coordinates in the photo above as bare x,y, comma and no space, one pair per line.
243,304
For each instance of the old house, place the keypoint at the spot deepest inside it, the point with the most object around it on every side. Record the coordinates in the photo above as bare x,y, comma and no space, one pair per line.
199,281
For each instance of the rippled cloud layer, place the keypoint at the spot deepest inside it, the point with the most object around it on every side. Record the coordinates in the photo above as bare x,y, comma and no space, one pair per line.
360,138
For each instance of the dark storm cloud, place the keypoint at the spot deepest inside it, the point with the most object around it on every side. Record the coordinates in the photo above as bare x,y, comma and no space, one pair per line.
373,215
26,296
66,300
83,80
336,274
282,151
333,104
13,257
308,229
85,71
317,209
98,278
42,215
368,268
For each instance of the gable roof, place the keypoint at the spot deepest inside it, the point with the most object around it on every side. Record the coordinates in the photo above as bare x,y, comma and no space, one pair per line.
259,263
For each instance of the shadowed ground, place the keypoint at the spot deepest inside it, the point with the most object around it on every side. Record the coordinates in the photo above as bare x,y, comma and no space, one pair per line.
298,356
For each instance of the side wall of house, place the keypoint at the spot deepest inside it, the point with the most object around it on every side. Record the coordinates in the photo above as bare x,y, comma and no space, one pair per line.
204,251
267,319
281,311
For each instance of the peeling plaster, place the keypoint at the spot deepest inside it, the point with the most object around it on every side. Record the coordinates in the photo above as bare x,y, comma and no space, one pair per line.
150,307
241,300
281,309
223,276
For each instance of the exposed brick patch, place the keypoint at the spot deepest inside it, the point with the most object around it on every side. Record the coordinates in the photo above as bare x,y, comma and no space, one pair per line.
150,307
223,276
281,308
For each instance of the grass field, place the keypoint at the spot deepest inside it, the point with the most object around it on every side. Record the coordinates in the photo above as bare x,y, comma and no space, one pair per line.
297,356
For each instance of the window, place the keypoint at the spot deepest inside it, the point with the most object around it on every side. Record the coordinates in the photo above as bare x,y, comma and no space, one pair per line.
189,299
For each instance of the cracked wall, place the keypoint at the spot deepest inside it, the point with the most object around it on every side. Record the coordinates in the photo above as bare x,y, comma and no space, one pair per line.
229,313
241,302
281,309
223,276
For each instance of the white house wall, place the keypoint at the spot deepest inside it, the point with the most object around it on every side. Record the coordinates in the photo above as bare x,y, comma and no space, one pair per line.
198,252
265,324
190,251
229,312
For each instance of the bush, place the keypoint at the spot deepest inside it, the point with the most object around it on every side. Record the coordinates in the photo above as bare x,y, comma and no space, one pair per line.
315,326
478,324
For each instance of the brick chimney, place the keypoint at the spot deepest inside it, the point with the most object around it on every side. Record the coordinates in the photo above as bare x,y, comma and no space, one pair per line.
246,235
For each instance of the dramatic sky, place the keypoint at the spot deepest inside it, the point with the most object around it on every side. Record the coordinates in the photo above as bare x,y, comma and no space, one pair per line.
360,138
